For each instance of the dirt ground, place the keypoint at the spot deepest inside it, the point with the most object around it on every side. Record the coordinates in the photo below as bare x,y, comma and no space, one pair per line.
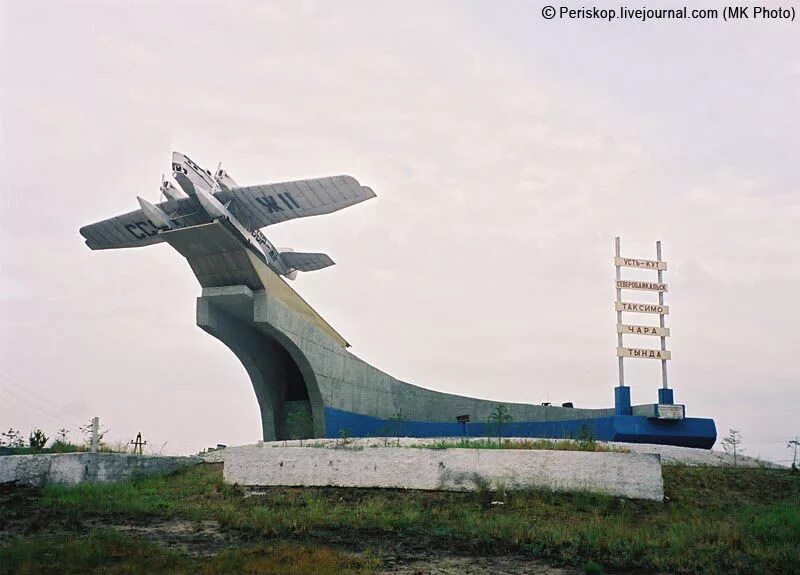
205,538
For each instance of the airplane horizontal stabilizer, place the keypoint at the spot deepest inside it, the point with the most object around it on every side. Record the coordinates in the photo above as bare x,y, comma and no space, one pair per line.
306,262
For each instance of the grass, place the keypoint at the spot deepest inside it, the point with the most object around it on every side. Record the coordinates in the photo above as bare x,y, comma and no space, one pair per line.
66,447
547,444
56,447
716,520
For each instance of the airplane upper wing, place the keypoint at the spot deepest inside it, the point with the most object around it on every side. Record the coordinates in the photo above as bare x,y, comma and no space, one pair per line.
256,206
260,206
134,229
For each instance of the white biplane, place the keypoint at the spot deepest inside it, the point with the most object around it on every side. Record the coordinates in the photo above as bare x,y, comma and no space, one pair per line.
204,197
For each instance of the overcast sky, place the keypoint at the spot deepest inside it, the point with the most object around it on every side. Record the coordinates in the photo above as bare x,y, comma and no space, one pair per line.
506,151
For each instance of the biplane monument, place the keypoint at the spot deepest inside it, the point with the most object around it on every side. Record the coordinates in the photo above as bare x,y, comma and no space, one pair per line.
299,364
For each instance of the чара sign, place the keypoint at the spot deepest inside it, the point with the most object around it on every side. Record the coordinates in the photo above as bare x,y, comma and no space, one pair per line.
642,330
643,353
642,307
649,286
641,264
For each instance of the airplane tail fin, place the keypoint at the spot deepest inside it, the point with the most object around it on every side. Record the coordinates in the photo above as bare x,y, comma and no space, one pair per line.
306,262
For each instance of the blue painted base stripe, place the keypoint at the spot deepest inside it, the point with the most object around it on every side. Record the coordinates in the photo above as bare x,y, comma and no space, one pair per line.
690,432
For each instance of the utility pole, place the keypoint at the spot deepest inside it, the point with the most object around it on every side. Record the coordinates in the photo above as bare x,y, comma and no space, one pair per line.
793,444
138,443
95,432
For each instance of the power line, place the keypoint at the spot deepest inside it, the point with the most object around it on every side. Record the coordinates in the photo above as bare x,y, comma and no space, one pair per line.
25,405
16,402
52,405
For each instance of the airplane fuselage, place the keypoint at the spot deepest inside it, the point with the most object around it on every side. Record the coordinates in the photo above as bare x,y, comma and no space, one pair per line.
254,238
271,255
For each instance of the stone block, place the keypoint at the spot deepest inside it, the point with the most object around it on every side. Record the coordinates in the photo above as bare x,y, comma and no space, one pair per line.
635,476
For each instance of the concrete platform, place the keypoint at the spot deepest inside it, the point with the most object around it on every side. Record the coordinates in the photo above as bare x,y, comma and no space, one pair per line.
634,476
74,468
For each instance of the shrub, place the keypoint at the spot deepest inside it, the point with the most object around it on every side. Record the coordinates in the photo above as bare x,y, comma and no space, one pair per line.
498,419
37,439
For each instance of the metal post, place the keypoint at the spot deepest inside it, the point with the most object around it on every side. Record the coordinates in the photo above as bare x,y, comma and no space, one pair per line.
619,312
95,431
661,319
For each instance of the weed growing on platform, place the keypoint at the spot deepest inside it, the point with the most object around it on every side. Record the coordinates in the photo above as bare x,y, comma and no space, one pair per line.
558,445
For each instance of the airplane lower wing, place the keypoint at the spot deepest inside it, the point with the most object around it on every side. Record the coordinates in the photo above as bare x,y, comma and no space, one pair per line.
135,229
261,206
306,262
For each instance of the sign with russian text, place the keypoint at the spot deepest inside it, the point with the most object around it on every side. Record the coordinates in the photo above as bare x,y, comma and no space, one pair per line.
643,353
640,264
661,331
642,307
649,286
642,330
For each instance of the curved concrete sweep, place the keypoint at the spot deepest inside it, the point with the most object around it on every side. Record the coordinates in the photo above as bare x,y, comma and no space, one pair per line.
309,385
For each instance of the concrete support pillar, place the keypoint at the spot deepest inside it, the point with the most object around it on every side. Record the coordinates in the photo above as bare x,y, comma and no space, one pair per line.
280,384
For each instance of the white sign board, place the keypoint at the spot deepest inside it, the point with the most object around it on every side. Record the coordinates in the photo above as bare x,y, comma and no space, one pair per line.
640,264
642,330
643,353
649,286
642,307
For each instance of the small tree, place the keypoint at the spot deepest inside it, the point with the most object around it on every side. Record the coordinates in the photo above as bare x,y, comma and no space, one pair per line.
12,438
498,419
586,438
62,435
793,443
399,418
733,444
37,439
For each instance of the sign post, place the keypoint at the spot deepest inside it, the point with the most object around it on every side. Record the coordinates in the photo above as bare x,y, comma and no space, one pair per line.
664,392
619,312
622,393
622,400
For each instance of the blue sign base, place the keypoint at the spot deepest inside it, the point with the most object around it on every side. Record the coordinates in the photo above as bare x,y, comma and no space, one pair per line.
690,432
